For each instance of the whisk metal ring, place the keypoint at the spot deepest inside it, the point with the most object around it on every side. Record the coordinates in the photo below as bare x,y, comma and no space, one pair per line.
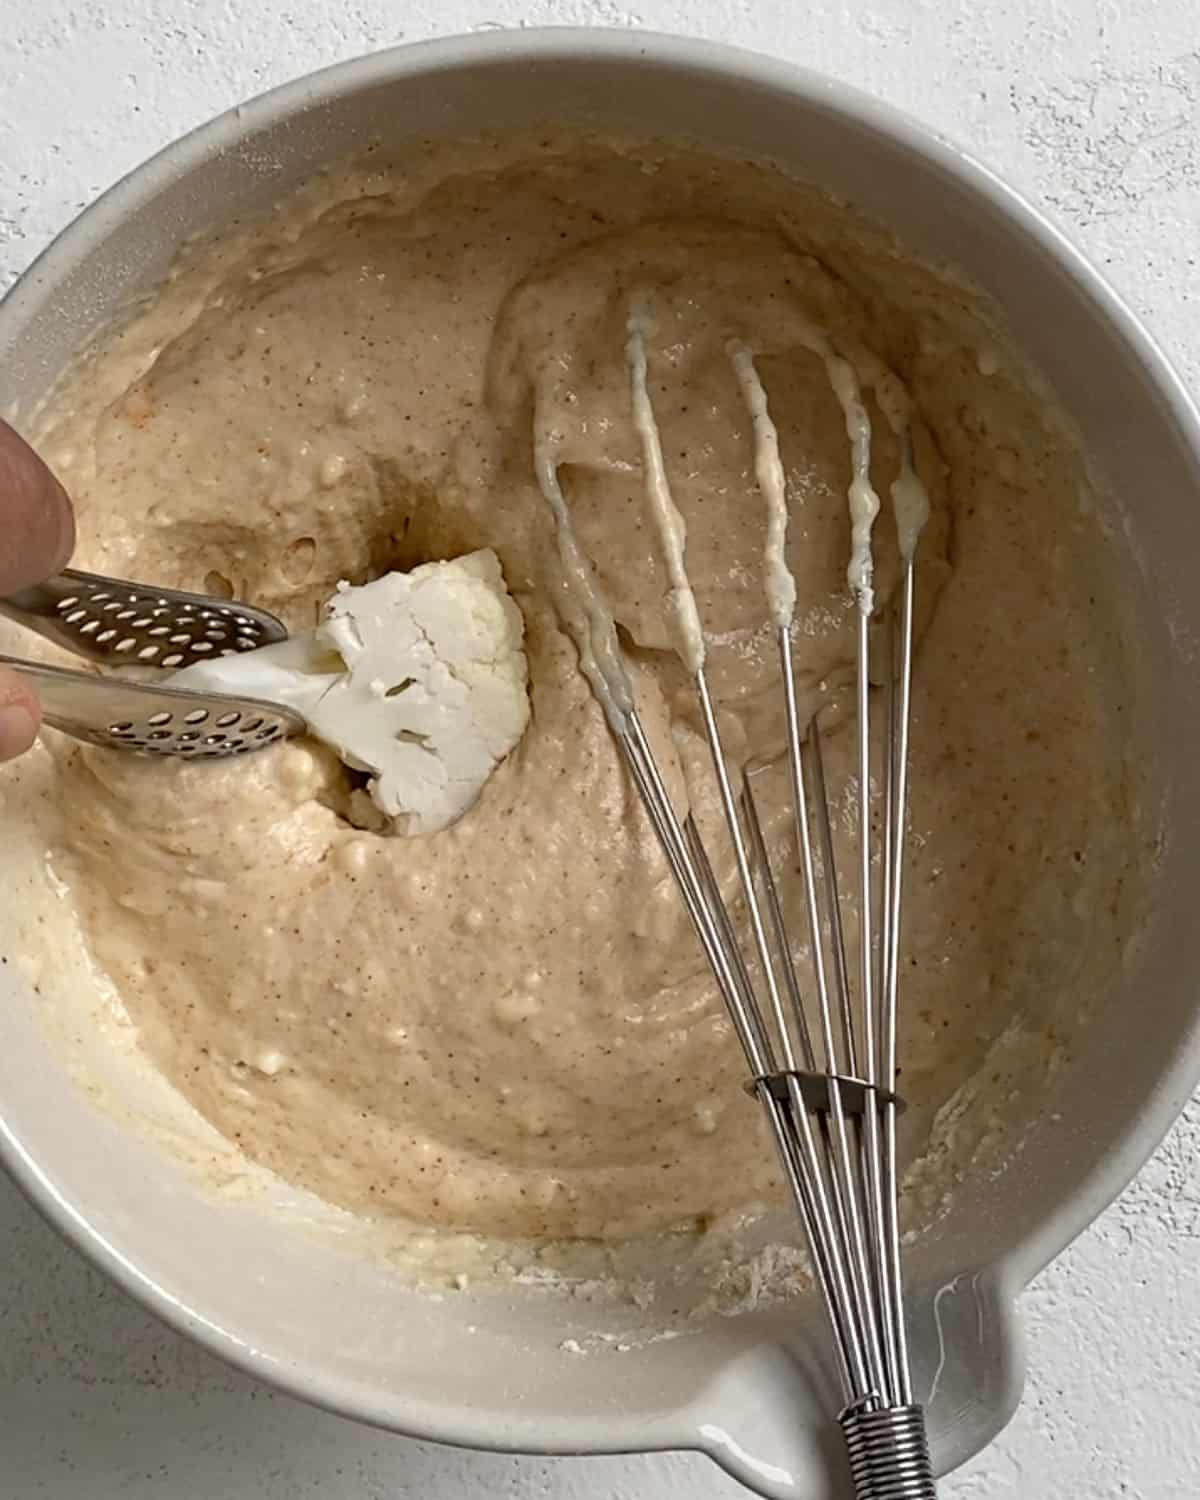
856,1094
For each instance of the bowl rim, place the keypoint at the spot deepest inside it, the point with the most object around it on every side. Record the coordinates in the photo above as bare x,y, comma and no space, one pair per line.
668,52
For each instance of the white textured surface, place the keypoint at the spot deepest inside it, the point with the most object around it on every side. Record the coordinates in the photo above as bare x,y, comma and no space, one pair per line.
1091,106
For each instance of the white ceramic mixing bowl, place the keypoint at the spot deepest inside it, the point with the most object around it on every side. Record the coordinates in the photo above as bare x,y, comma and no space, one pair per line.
490,1370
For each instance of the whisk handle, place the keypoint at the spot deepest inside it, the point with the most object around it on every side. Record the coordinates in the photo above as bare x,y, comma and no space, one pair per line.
889,1453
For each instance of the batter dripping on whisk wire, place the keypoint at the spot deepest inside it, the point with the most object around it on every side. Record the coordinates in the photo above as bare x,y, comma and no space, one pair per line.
823,1069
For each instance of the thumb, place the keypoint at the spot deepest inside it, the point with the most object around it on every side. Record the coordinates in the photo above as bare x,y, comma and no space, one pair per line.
19,715
37,527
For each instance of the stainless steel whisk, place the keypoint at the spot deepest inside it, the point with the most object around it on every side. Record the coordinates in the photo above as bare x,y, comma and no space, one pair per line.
825,1069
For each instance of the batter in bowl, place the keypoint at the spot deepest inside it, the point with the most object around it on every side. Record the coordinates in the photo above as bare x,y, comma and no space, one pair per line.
507,1027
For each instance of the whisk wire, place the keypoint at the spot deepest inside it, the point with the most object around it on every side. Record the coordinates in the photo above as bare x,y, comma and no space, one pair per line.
695,847
862,1311
825,1078
779,930
871,995
866,965
791,1127
833,910
804,844
729,973
745,874
838,1162
899,706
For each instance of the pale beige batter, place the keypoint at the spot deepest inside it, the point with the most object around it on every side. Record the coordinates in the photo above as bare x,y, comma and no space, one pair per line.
507,1026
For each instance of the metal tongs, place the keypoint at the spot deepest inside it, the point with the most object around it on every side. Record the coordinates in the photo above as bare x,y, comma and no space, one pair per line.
113,622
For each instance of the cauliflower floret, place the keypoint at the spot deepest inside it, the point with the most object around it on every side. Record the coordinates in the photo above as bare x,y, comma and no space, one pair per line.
419,679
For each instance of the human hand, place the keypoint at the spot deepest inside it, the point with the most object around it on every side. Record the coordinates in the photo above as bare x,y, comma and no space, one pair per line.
37,533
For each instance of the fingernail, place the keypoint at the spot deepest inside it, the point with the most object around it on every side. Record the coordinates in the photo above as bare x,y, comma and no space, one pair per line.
17,730
66,528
